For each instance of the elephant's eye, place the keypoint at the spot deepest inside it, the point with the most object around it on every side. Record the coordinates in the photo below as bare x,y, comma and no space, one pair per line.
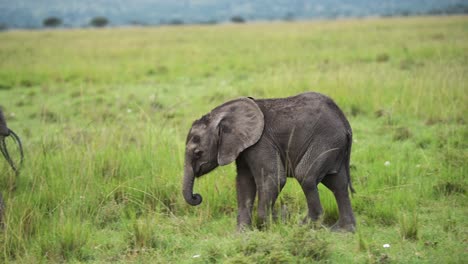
197,153
196,139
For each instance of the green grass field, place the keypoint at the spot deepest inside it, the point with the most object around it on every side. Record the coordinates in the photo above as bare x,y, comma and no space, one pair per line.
103,115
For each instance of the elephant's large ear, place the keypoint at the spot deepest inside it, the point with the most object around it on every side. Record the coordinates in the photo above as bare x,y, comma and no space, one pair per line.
240,123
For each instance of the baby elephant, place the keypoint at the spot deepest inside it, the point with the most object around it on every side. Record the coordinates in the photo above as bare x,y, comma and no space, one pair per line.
305,136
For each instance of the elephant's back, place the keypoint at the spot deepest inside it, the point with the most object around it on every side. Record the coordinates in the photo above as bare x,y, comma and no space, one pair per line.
298,122
303,111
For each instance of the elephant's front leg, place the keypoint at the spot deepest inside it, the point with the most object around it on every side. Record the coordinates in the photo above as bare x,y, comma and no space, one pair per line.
246,191
268,171
269,186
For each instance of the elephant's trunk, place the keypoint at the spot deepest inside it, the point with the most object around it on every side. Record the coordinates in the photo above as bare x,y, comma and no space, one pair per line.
190,197
4,131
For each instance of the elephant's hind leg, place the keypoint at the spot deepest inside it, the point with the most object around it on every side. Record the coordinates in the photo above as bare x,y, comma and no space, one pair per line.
313,201
338,184
309,172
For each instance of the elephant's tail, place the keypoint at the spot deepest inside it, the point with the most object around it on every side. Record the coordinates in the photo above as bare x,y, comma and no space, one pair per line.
349,136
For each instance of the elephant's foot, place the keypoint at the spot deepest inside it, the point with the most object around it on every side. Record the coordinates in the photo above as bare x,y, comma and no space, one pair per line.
339,227
263,224
313,223
241,228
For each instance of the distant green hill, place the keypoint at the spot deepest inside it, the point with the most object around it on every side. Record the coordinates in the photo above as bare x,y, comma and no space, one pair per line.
78,13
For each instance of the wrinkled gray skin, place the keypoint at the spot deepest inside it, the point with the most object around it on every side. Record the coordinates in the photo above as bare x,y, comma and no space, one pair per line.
305,136
4,132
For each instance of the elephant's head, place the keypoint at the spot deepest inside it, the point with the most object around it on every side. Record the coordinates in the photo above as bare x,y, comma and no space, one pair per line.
218,138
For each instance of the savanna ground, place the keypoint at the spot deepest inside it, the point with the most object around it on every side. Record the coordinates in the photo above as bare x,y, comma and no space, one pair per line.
104,114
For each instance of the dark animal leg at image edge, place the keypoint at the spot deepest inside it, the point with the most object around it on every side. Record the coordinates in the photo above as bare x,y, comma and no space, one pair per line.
4,133
4,150
2,209
7,157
